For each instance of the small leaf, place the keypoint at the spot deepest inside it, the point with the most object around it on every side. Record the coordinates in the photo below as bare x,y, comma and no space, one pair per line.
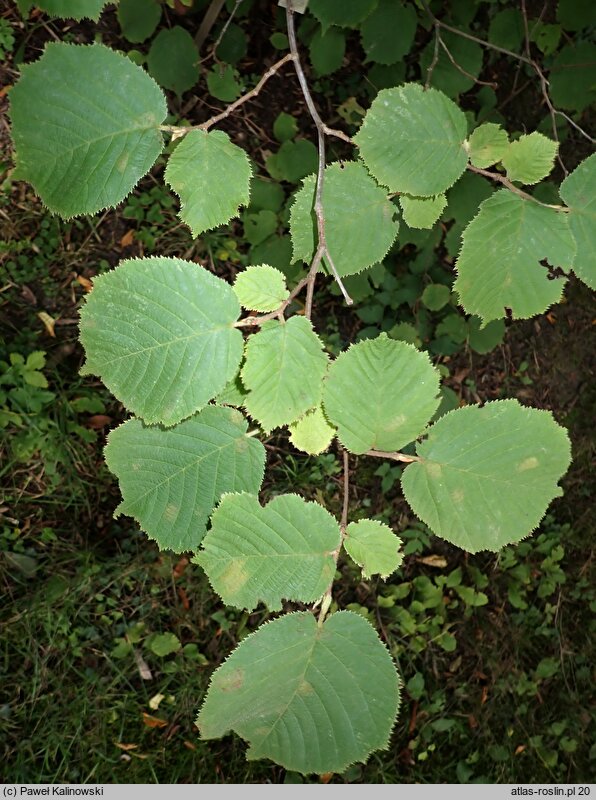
283,372
435,296
354,206
284,551
312,433
530,158
212,178
261,288
327,50
222,82
84,167
172,478
72,9
285,127
159,333
374,547
412,140
422,212
483,340
499,263
578,192
506,29
173,59
380,394
336,703
487,145
487,474
454,73
233,45
292,161
164,644
388,33
138,19
345,13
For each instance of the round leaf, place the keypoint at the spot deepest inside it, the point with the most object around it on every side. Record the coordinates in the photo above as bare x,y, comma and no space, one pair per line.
261,288
327,50
487,474
374,547
345,13
138,19
435,296
172,478
173,59
380,394
282,551
388,33
336,703
530,158
412,140
312,433
85,126
354,206
159,332
422,212
487,144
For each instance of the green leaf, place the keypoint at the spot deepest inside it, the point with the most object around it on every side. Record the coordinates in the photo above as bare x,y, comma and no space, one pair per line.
164,644
222,82
572,77
499,264
374,547
354,206
446,76
283,372
261,288
84,167
171,478
483,340
173,59
380,394
159,333
487,474
336,703
293,161
487,145
506,29
259,226
412,140
422,212
72,9
530,158
575,15
435,296
265,195
212,178
233,393
233,45
345,13
285,127
284,551
388,33
327,50
578,192
312,433
138,19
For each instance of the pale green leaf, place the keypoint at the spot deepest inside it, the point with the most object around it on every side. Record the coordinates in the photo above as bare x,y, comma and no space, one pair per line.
85,126
487,474
173,59
499,263
261,288
138,19
345,13
578,191
380,394
211,175
283,372
435,296
312,433
72,9
422,212
334,705
487,145
284,551
159,333
164,644
354,206
233,393
374,547
412,140
171,478
530,158
388,33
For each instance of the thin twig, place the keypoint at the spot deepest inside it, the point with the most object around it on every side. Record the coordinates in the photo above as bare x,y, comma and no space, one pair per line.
461,69
177,130
395,456
433,63
222,33
322,248
326,599
496,176
208,22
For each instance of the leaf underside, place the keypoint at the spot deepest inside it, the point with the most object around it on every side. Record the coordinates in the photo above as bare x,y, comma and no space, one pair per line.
158,331
171,478
311,698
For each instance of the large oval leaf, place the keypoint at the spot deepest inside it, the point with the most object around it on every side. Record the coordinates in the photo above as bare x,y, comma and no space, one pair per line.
412,140
380,394
354,206
85,126
499,265
159,333
311,698
284,551
578,191
171,478
487,474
